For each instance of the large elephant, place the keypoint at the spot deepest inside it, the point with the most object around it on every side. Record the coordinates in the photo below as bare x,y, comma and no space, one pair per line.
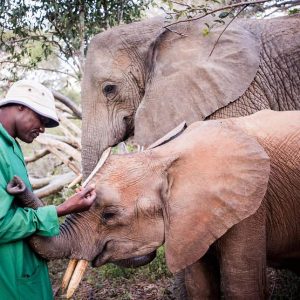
143,79
224,198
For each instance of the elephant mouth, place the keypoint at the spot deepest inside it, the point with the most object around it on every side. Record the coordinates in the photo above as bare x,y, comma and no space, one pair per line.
132,262
135,262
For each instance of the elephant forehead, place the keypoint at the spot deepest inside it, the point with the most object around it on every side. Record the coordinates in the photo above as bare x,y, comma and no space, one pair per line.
106,66
118,194
126,179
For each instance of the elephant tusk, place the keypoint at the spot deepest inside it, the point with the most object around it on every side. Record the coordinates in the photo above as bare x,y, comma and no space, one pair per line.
68,274
77,276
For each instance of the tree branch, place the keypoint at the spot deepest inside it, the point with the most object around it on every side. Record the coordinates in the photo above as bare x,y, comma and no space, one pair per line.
56,184
36,68
68,102
276,4
216,10
37,155
227,25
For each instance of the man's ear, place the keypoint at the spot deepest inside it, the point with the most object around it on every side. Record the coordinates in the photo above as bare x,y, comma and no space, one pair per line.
219,179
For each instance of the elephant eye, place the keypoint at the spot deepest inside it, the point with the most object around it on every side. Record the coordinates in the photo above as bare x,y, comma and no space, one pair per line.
106,216
109,89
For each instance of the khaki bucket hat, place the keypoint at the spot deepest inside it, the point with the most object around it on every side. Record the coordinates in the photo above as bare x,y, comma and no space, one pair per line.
36,97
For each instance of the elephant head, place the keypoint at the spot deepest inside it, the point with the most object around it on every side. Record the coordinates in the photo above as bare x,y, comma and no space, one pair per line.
143,79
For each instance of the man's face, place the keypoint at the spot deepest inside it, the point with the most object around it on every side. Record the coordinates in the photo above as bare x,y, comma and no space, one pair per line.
29,124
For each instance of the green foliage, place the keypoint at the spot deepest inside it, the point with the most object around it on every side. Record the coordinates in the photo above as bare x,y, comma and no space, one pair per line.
62,27
294,11
220,10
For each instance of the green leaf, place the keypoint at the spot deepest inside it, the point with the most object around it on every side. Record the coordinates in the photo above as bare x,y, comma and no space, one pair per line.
60,25
223,14
293,11
205,31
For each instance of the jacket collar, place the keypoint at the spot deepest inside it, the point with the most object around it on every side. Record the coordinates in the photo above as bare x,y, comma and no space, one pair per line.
12,142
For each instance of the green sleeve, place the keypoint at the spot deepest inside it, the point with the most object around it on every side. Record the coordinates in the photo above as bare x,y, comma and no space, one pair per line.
18,223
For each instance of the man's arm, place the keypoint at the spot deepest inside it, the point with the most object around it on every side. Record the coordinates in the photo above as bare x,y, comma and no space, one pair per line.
18,222
80,201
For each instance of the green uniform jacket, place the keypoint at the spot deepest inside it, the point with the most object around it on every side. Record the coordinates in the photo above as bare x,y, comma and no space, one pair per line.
23,275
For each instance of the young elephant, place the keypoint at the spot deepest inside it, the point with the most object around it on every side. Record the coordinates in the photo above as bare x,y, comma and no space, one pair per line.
224,194
224,198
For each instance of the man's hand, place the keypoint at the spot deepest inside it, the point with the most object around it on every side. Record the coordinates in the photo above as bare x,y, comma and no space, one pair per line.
81,201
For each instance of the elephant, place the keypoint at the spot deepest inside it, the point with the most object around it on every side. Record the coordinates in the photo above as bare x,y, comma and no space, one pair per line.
223,197
143,79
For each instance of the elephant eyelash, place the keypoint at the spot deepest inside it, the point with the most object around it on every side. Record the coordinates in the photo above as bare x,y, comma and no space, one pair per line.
108,215
109,90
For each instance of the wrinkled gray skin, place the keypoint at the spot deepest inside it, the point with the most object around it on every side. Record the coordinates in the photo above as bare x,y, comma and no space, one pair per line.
237,209
141,79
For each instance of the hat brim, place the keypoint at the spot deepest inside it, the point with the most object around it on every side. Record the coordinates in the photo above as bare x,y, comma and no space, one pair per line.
52,120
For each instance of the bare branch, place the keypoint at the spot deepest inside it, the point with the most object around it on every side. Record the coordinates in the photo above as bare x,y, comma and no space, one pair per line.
68,102
182,4
56,184
71,165
172,30
70,125
216,10
58,145
37,155
66,61
56,71
37,183
36,68
281,4
62,108
65,139
225,29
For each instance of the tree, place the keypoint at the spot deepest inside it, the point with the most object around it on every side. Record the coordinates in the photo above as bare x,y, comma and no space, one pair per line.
37,35
189,10
61,28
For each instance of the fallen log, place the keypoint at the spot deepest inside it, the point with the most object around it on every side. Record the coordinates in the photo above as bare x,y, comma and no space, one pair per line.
55,185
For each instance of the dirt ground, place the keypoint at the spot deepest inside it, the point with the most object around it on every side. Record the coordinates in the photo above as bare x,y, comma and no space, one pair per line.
142,286
95,286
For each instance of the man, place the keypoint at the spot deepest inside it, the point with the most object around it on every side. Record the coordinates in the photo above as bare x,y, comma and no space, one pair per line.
25,112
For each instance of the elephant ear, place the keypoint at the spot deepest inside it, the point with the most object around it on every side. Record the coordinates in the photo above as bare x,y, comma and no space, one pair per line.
187,83
219,180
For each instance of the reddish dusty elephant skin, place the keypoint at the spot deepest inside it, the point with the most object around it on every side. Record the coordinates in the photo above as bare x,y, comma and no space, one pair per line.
223,197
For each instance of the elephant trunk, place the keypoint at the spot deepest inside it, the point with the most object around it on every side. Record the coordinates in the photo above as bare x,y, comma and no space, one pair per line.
90,156
94,142
101,128
53,247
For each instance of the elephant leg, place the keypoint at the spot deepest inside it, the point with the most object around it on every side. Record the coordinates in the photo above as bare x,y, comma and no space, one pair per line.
242,258
178,289
202,279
